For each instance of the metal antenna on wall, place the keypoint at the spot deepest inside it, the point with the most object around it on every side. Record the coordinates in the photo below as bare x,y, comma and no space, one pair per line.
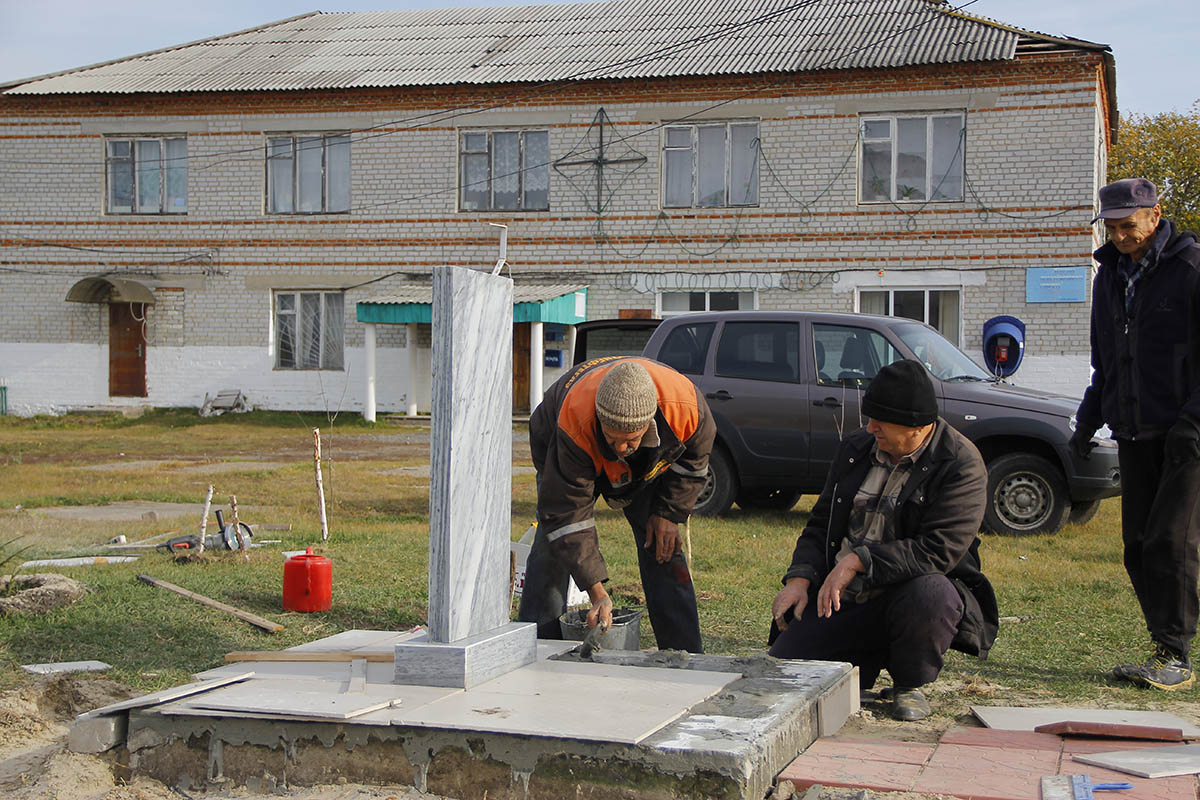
503,259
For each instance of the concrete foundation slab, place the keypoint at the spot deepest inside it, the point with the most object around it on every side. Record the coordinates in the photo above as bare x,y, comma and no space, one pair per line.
730,745
97,734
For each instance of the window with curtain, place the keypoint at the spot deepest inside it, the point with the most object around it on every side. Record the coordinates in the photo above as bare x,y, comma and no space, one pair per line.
500,170
309,330
146,175
912,158
308,174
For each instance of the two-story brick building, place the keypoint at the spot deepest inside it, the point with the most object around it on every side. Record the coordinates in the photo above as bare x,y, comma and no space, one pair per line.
262,210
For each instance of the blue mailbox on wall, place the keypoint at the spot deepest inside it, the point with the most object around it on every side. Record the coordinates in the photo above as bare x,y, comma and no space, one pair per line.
1003,344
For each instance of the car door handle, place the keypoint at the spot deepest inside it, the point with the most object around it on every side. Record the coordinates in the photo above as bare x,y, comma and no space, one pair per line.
828,402
721,395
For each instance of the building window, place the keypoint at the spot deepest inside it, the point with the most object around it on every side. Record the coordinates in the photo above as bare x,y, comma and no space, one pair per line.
504,170
309,330
672,304
147,175
911,159
936,307
710,166
308,174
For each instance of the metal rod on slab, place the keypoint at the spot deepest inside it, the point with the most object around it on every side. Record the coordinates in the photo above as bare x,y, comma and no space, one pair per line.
320,484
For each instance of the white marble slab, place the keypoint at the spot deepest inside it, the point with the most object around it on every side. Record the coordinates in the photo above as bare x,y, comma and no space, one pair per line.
467,662
166,695
470,453
1149,762
1017,718
585,701
66,666
255,699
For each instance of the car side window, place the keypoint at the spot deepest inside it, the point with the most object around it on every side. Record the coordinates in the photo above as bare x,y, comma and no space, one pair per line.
685,347
849,355
762,351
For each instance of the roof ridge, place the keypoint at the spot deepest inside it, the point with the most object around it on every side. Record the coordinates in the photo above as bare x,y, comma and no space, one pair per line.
20,81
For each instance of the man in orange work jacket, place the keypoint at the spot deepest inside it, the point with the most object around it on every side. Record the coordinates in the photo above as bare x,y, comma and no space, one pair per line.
638,433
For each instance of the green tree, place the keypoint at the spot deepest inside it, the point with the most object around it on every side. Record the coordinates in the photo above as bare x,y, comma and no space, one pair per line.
1166,149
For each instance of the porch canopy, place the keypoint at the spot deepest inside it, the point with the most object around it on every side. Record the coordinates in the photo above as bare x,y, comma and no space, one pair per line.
107,289
535,303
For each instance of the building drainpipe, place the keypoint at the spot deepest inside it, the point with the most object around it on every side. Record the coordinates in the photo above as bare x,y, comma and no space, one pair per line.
369,406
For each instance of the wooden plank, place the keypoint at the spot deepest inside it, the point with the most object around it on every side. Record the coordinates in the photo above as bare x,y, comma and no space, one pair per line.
307,655
245,616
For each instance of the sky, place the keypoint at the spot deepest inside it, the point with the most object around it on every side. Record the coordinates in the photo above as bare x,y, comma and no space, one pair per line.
1155,43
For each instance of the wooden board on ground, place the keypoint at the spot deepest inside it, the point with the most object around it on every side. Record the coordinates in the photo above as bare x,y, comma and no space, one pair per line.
1111,730
245,616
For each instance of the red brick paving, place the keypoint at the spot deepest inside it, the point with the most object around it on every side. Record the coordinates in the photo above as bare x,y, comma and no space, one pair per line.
974,764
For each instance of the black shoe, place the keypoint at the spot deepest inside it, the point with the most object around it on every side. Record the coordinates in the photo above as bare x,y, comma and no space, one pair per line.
1124,672
909,705
1165,670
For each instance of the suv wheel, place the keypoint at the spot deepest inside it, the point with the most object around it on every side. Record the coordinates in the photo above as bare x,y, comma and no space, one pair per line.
767,499
1083,511
1026,495
719,487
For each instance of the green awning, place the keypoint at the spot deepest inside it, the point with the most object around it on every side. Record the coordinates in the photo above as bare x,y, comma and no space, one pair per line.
559,303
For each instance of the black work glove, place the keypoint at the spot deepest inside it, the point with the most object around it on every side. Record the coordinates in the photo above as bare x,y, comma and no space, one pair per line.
1183,442
1081,442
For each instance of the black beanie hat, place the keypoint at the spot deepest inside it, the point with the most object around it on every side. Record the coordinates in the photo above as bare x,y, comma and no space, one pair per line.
901,393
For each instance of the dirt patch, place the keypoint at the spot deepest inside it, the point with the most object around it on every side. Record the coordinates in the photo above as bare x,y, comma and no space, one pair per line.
38,593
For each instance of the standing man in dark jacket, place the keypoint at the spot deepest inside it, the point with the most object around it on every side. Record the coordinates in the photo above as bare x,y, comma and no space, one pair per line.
886,574
639,434
1146,387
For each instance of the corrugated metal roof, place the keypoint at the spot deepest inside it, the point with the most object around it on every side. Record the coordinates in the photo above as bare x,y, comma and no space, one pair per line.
522,293
575,41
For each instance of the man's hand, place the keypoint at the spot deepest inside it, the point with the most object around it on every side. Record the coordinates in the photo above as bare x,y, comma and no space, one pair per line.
829,599
793,595
664,535
1081,443
602,608
1183,442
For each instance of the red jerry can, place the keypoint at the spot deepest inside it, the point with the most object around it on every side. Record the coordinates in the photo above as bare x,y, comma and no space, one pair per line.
307,582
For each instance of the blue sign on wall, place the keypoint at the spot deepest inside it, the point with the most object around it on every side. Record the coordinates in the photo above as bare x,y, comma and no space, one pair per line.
1056,284
552,358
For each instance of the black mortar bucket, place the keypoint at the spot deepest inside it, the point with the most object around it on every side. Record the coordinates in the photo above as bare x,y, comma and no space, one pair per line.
624,634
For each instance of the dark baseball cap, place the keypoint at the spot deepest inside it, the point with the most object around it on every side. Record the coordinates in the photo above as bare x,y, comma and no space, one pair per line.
1121,198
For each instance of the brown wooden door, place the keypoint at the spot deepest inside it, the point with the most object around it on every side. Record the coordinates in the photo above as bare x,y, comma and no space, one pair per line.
126,350
521,368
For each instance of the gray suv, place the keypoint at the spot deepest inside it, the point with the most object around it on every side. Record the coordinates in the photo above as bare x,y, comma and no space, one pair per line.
785,387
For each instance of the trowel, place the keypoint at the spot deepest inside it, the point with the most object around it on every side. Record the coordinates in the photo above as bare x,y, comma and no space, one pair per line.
1076,787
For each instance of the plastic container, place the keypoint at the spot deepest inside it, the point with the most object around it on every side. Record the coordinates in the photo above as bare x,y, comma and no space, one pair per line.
625,633
307,582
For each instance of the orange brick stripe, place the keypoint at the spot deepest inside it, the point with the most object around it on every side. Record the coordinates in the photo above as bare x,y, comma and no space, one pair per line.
1027,70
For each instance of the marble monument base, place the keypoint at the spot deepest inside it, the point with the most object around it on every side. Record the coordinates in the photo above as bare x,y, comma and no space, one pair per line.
466,662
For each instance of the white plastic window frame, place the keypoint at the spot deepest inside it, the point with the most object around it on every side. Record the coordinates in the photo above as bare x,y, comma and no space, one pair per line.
925,290
164,169
693,149
931,181
523,190
323,333
708,293
295,146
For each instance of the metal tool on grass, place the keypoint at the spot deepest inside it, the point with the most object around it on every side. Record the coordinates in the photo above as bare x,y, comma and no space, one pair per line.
1076,787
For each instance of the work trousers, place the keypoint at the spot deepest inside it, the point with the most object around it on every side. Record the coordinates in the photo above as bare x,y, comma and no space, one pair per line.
1160,528
670,596
906,630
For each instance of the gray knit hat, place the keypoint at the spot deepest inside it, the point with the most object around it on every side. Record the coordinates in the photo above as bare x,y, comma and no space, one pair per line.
626,399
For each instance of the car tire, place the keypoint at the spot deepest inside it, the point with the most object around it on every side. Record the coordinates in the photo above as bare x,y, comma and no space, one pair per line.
1026,495
1083,511
720,486
767,499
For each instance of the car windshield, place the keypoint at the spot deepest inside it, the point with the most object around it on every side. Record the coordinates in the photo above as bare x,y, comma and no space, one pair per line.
941,358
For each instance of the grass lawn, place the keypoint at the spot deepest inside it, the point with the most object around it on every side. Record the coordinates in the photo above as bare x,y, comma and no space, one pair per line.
1078,614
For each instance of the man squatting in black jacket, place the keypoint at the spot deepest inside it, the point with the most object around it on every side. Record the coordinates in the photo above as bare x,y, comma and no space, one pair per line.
886,573
1146,387
639,434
